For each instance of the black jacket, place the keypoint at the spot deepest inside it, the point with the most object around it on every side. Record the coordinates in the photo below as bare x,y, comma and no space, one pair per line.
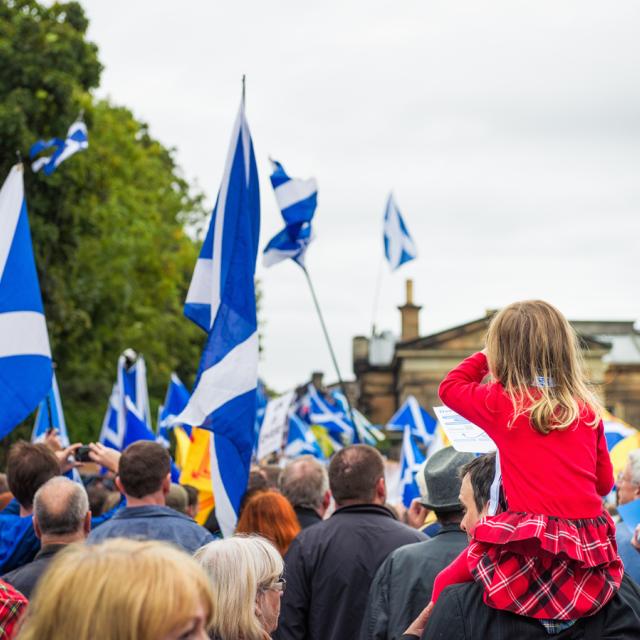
307,517
25,578
329,568
460,613
404,582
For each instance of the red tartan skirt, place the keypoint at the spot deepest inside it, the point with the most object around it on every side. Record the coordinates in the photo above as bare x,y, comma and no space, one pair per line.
545,567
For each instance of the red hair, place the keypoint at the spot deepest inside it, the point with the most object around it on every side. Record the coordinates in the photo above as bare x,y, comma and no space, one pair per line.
270,514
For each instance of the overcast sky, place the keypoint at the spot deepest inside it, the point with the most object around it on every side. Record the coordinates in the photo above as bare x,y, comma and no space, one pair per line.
508,130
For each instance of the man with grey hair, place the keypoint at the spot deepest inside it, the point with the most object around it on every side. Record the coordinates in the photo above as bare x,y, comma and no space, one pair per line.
305,483
628,489
61,517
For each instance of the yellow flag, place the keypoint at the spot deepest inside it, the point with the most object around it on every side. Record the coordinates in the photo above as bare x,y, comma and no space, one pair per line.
196,471
183,442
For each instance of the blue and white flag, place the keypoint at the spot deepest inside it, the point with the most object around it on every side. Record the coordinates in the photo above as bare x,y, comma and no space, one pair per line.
221,299
297,200
128,405
175,401
25,355
410,462
413,416
398,245
615,430
301,440
51,416
76,140
330,414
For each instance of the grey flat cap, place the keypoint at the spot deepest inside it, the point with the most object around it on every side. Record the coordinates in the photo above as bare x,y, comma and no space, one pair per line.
442,480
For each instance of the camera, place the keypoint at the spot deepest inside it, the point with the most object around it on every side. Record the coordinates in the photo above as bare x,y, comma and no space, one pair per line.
82,454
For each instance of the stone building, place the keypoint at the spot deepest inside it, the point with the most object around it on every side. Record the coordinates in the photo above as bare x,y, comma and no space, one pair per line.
387,371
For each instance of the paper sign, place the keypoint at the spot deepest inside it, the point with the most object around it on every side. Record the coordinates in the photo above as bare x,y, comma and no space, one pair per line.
276,417
630,514
464,435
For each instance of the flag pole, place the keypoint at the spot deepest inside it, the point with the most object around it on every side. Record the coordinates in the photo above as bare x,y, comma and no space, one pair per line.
333,355
376,297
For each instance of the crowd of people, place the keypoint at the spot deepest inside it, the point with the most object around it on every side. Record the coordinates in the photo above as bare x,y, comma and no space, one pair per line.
318,551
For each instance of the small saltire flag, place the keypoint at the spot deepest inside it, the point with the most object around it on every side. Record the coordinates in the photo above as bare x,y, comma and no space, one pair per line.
175,401
413,416
398,245
25,355
411,460
128,409
301,439
297,200
221,299
329,414
51,416
76,140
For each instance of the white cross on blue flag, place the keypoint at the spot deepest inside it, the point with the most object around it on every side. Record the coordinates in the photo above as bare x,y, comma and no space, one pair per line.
410,462
25,355
297,200
221,299
76,140
412,415
398,244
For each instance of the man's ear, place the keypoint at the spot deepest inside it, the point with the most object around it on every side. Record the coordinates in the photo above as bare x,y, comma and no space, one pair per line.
118,483
381,490
36,527
166,484
86,525
326,499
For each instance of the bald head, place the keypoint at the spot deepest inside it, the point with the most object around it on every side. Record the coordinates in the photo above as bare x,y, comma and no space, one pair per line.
60,510
305,483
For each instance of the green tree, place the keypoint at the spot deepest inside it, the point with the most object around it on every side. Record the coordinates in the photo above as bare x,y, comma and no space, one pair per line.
108,225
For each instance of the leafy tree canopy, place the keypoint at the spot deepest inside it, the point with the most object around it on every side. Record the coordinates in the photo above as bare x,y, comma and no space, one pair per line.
107,226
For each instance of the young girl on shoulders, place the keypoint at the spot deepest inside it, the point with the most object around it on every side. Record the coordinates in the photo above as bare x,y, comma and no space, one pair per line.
552,554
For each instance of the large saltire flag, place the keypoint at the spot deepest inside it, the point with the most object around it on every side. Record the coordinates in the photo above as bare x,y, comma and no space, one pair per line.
76,140
410,462
411,415
297,200
221,299
25,355
398,244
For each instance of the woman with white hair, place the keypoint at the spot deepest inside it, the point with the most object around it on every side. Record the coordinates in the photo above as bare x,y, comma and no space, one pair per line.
245,573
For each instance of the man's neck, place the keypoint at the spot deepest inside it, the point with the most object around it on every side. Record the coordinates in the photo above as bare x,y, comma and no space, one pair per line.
69,538
152,499
25,512
353,503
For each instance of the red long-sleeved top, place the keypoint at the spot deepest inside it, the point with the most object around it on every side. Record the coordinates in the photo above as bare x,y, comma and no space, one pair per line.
560,474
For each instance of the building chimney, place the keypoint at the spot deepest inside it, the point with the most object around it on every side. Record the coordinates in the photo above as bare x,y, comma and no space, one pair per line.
410,314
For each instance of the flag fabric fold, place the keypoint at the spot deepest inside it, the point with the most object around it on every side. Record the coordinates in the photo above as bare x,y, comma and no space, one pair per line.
398,244
411,460
301,439
77,140
221,300
297,200
25,356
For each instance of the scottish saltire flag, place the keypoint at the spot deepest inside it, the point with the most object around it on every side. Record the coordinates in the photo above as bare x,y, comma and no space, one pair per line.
51,416
128,396
25,355
410,462
221,299
297,200
76,140
301,439
398,245
413,416
616,430
175,401
330,415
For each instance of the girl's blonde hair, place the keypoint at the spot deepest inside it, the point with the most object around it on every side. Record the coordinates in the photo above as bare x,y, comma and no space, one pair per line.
118,590
535,354
239,567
